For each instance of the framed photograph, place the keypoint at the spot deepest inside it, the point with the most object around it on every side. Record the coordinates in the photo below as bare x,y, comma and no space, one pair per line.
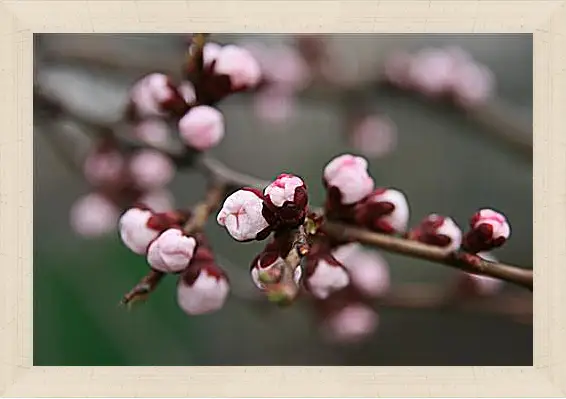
281,199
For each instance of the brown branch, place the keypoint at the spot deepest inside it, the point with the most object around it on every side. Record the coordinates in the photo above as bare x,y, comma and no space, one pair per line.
458,260
218,171
196,223
141,290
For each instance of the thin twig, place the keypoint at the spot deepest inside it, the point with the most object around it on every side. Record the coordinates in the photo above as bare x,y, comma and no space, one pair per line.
462,261
141,290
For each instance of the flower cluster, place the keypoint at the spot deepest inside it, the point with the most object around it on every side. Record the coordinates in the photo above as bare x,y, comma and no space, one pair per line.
118,180
203,286
250,214
437,72
122,177
342,278
488,230
372,135
155,98
353,198
334,274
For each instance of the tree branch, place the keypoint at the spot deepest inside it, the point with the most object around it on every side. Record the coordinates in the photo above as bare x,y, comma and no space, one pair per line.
459,260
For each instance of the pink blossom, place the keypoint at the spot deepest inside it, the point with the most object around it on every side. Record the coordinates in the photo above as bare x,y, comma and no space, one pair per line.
489,229
241,215
374,136
149,94
351,324
349,175
151,169
93,215
171,252
438,230
206,293
152,131
267,268
274,105
498,222
385,210
284,67
431,71
135,231
210,52
327,277
187,90
283,189
368,270
239,64
472,84
396,69
104,167
202,127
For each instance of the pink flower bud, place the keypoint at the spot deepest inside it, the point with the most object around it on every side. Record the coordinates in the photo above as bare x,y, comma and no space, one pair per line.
135,230
284,189
171,252
241,215
187,90
489,229
152,131
431,71
273,105
93,215
158,200
104,167
202,127
385,210
286,201
210,52
325,276
203,287
151,169
351,324
349,175
283,66
438,230
374,136
155,95
266,268
396,69
239,65
472,84
368,270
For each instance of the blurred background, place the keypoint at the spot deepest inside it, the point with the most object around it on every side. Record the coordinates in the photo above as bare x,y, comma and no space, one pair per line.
445,159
